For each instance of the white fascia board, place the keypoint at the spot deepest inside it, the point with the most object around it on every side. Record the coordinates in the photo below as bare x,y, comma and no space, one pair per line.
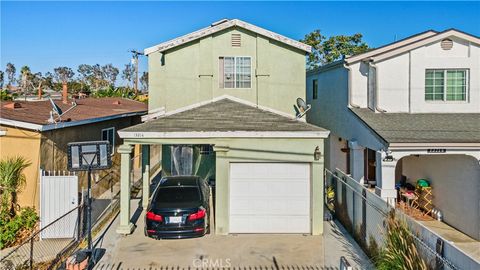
223,134
59,125
219,27
419,146
20,124
426,41
383,49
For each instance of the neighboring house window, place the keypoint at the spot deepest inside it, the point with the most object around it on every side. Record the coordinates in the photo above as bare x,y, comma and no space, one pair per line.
108,134
446,84
235,72
315,89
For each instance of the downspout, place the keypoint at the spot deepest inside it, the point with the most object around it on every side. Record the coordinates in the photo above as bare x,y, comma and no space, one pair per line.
350,86
376,87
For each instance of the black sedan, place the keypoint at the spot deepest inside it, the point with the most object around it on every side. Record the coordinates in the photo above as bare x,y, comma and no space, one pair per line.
179,208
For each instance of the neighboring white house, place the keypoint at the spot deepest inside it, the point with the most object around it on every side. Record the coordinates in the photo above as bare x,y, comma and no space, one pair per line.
411,109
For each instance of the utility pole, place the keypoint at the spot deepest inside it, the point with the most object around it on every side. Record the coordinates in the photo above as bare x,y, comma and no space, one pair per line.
135,55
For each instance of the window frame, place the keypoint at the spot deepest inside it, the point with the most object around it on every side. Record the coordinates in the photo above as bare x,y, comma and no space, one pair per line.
235,71
113,137
445,85
315,89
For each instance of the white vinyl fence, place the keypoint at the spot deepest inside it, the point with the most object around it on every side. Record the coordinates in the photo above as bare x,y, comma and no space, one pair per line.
58,195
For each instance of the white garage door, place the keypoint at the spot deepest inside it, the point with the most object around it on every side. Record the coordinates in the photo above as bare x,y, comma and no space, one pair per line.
269,198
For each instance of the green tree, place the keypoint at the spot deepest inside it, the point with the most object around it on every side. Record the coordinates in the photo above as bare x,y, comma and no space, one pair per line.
326,50
85,74
1,79
144,81
110,73
128,74
63,74
10,70
12,180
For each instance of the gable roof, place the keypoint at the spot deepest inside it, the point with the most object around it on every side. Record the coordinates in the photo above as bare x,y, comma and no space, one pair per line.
224,118
410,43
35,114
422,127
221,25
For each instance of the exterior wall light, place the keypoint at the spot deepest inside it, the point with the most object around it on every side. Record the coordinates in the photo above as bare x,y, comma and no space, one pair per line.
317,154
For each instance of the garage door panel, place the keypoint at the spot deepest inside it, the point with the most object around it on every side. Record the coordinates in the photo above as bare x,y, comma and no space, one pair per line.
269,198
275,224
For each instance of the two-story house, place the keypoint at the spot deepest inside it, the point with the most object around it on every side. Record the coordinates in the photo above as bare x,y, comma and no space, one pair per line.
222,105
406,111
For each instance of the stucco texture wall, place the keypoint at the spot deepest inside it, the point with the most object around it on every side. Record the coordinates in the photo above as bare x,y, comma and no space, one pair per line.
455,181
190,73
25,143
230,150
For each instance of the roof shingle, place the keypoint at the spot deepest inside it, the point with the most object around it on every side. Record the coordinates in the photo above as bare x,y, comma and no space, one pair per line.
222,116
423,127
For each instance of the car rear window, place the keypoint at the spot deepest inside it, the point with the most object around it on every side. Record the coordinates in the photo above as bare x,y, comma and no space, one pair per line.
177,195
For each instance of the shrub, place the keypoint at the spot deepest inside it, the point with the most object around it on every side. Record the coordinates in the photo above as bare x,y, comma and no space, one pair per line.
400,251
11,228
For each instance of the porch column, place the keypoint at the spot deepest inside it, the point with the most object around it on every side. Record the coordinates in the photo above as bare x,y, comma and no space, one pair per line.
222,167
386,178
125,227
145,175
357,162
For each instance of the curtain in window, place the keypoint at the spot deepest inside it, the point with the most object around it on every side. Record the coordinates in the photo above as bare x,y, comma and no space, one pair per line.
181,160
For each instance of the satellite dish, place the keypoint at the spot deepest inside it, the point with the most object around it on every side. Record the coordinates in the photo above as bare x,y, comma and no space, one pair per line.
302,107
56,110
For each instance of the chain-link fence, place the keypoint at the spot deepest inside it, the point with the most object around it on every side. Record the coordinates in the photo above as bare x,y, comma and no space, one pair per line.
40,252
366,217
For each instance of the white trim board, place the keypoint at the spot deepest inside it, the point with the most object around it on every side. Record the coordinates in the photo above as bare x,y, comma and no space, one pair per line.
221,25
223,134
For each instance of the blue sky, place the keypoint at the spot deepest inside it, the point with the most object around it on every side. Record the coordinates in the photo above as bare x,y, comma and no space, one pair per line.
44,35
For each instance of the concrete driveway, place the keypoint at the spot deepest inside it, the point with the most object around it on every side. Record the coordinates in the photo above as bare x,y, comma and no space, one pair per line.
232,251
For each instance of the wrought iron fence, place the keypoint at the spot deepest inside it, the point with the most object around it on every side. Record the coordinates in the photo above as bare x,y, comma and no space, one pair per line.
38,252
365,216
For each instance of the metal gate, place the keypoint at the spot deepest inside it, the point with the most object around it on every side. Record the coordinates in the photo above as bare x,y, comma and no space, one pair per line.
58,195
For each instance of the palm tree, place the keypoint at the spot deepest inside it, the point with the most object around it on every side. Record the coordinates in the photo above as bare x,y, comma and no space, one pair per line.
12,180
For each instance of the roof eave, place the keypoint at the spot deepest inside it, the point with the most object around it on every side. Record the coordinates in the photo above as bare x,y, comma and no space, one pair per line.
219,27
223,134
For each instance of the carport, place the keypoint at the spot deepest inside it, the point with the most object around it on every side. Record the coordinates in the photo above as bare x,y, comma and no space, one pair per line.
268,165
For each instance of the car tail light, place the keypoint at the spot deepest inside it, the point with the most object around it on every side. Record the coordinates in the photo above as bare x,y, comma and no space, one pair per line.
154,217
198,229
198,215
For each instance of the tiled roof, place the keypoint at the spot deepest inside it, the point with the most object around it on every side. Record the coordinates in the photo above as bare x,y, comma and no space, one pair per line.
38,112
423,127
224,115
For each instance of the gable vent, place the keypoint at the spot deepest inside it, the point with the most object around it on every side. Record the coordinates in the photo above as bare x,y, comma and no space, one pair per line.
446,44
236,40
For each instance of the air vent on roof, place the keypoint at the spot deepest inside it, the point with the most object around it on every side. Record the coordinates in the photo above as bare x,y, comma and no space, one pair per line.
219,22
446,44
236,40
13,105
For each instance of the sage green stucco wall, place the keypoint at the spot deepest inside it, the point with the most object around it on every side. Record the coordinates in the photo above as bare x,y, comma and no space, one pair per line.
230,150
190,73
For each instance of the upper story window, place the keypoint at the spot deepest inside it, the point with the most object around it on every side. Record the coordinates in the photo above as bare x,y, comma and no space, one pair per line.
315,89
235,72
446,84
108,134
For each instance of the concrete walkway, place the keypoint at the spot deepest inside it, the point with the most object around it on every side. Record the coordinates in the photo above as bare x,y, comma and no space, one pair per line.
246,251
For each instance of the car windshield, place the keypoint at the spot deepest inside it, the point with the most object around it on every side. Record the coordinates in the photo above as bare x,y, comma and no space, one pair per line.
177,195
